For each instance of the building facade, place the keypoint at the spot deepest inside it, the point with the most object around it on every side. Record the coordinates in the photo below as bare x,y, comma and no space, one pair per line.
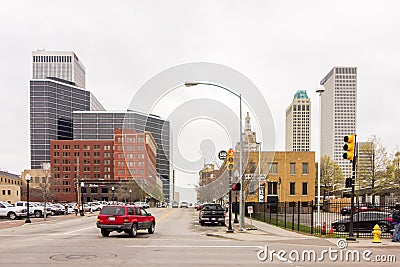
298,123
284,176
76,161
57,89
338,113
64,65
100,125
51,106
10,187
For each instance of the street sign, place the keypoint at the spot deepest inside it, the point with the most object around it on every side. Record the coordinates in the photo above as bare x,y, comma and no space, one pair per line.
250,209
222,155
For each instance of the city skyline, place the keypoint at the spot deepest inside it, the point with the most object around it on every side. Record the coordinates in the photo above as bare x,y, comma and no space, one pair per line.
293,54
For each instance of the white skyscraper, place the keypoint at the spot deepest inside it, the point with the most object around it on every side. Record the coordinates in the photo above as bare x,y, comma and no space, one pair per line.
339,113
63,65
298,123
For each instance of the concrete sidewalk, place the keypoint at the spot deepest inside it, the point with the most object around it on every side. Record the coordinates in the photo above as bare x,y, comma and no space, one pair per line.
270,233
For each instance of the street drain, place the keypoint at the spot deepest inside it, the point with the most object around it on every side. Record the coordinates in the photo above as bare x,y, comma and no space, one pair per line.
72,257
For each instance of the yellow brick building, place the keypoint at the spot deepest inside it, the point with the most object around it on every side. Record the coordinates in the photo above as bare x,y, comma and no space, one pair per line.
10,187
289,176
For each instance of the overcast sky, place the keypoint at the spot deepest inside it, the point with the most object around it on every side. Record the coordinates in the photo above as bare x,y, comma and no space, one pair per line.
281,46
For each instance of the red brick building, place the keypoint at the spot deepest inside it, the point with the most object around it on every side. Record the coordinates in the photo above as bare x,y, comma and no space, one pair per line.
134,154
92,161
103,165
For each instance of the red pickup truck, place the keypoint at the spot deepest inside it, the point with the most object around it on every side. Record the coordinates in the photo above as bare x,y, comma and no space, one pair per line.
129,219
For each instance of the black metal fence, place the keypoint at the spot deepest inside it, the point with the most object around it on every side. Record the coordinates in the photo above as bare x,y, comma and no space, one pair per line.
333,219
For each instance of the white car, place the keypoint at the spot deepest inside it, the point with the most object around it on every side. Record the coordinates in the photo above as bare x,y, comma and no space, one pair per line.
13,213
36,209
142,204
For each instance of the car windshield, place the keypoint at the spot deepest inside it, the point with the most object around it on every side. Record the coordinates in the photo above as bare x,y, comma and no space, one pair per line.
112,210
7,204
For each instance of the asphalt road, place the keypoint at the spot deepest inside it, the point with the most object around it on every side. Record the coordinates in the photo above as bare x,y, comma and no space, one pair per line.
178,241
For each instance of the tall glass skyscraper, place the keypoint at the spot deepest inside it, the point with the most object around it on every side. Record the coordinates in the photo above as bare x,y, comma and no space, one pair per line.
338,113
54,95
64,65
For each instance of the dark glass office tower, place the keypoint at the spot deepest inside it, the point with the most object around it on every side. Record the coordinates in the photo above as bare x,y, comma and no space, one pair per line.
100,125
51,105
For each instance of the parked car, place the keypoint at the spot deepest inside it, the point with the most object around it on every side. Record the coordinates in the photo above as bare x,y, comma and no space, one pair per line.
13,213
175,205
346,210
56,209
364,222
212,213
34,208
142,204
125,218
184,204
95,206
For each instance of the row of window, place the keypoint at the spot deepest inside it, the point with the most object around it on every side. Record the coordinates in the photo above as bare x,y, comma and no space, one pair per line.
61,59
304,188
85,154
3,192
9,181
273,188
129,172
85,147
273,168
128,139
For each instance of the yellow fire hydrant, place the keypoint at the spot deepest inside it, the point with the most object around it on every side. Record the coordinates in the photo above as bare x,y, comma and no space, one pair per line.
377,234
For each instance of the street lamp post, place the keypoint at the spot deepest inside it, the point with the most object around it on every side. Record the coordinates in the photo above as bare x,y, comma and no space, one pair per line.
112,190
28,179
82,186
241,208
130,196
319,90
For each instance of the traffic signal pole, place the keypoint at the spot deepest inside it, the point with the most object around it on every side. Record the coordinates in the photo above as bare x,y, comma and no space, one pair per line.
230,230
353,177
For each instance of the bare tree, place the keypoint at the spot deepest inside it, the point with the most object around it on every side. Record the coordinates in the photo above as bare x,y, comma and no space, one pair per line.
45,187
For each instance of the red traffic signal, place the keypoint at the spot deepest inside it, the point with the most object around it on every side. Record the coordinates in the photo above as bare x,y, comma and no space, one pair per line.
236,187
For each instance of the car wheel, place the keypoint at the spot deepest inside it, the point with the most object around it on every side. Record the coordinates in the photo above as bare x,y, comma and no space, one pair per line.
105,233
223,224
202,223
152,228
133,231
341,227
38,214
52,213
12,216
384,228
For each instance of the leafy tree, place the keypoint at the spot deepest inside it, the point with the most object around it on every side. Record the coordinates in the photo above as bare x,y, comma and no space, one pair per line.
331,174
372,166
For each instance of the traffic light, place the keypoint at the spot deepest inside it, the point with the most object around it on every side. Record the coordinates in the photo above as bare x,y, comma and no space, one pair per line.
349,182
349,147
230,160
236,187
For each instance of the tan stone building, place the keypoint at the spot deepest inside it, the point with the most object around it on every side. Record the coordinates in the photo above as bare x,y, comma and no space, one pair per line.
10,187
285,176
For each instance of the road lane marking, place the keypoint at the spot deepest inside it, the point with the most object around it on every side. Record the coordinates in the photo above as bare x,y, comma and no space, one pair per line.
70,232
193,246
165,216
